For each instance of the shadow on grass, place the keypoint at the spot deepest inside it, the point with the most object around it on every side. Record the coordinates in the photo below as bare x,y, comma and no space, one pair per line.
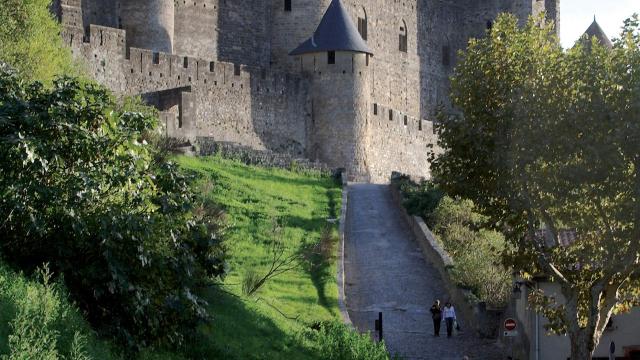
273,177
318,256
239,332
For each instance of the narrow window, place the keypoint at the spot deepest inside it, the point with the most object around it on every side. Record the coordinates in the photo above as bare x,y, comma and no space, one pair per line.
406,121
212,66
362,28
390,115
185,64
375,109
287,5
156,58
331,57
403,37
446,56
419,125
489,25
236,69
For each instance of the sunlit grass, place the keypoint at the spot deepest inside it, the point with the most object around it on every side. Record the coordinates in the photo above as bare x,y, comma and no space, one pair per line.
267,325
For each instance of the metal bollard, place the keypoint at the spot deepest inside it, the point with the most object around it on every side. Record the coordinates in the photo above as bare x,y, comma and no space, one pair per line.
378,326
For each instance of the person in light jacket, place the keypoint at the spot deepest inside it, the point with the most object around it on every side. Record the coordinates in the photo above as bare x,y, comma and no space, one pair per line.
449,313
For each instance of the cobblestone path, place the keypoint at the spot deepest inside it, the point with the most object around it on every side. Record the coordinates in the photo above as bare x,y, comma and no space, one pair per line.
386,271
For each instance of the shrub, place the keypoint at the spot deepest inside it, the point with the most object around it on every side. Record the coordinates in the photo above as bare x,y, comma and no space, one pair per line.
477,252
40,323
337,341
80,190
420,199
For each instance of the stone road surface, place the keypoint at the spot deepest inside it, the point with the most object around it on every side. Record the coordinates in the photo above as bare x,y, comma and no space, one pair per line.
386,271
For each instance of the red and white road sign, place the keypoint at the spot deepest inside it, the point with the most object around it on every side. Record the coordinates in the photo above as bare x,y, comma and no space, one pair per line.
510,324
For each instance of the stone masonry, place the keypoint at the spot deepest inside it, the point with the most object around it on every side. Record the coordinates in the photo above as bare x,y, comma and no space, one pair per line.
222,69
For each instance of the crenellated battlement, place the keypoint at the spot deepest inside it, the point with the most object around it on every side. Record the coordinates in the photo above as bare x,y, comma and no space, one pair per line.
148,70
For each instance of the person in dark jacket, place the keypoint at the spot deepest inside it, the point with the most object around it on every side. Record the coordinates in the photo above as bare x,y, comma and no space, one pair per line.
436,315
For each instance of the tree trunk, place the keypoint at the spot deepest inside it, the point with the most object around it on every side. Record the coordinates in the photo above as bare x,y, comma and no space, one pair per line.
581,345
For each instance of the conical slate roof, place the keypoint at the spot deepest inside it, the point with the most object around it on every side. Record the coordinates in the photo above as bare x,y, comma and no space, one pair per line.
596,30
336,32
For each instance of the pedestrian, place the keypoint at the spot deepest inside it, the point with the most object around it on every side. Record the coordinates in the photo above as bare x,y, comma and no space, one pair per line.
436,315
449,314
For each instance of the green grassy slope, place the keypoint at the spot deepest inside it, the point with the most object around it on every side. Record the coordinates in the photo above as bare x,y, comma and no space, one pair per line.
268,324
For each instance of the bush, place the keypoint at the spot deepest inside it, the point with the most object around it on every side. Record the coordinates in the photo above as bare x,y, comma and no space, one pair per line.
39,322
477,253
337,341
80,190
30,40
419,199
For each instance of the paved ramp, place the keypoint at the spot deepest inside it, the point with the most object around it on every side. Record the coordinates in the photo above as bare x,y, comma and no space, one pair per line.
386,271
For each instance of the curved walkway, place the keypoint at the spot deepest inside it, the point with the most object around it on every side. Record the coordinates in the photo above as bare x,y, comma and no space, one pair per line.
386,271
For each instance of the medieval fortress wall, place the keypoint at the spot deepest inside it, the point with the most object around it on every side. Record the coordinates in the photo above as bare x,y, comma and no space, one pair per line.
221,69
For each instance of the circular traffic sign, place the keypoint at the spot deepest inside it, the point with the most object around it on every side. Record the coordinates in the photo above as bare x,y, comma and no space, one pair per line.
510,324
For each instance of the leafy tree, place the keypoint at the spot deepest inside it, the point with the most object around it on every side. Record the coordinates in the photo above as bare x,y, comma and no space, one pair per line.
81,189
549,140
30,40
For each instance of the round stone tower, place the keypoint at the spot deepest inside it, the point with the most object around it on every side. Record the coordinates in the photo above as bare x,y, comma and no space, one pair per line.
292,22
149,23
336,61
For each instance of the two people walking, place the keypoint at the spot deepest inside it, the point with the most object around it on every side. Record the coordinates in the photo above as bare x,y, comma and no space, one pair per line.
449,315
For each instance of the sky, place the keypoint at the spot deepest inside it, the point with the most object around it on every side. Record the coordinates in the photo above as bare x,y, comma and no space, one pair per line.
577,15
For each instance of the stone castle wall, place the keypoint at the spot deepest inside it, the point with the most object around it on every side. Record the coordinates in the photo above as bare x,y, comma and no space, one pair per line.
225,72
226,101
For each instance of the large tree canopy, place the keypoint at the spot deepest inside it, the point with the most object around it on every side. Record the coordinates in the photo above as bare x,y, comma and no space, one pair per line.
547,141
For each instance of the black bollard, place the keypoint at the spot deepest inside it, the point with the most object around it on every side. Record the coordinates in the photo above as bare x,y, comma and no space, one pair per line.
378,326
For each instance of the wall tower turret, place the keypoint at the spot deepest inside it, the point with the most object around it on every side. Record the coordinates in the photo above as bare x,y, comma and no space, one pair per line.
336,60
291,23
149,24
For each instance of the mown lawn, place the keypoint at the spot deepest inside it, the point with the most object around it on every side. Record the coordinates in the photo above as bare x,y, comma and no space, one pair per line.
267,325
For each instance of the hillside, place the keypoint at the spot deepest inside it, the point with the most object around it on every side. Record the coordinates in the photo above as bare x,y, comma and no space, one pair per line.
273,323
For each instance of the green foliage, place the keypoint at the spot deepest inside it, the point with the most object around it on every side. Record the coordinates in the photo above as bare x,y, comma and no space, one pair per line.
456,212
39,322
30,40
477,254
420,199
340,342
80,190
548,140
